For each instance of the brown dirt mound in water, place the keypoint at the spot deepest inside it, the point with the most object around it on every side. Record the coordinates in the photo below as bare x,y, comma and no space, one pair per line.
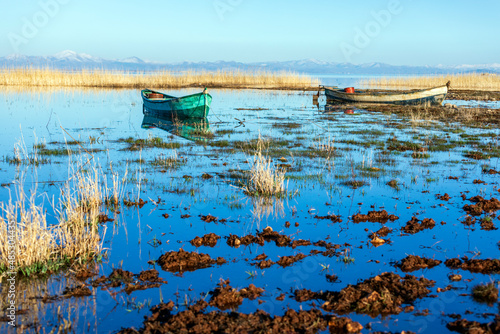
491,171
374,217
301,242
487,225
333,218
381,295
146,279
187,261
267,234
209,219
262,261
465,326
482,205
207,240
226,297
383,232
195,320
286,261
414,226
412,263
486,266
445,197
77,291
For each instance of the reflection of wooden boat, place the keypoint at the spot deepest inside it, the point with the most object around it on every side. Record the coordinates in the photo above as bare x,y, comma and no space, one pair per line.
426,96
196,129
193,106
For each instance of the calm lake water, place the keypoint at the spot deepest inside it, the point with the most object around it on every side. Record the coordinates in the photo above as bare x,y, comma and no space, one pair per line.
320,184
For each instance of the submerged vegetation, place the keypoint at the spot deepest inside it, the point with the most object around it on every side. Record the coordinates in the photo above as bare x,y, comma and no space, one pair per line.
47,77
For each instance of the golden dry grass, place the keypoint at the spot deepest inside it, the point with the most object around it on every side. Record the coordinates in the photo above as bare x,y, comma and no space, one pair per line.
265,178
76,236
33,77
472,81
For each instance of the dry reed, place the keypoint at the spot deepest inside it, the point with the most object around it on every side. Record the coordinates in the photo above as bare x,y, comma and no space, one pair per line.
41,247
265,179
46,77
471,81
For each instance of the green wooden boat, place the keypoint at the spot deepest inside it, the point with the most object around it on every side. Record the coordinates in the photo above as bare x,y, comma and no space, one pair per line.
190,106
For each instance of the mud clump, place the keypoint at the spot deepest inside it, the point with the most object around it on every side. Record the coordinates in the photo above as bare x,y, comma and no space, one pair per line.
486,266
139,203
374,217
382,294
226,297
301,242
491,171
207,240
196,320
333,218
482,205
383,232
304,295
117,278
487,225
465,326
150,276
444,197
267,235
262,262
414,226
84,274
332,278
412,263
78,291
182,261
145,280
286,261
209,219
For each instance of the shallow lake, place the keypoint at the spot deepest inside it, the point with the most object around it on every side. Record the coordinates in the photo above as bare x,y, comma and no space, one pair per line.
336,163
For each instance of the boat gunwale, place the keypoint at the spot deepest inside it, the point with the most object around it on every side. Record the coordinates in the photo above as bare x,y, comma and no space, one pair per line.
383,94
169,97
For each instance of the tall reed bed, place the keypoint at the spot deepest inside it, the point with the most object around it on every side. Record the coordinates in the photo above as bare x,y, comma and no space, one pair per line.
40,247
473,81
47,77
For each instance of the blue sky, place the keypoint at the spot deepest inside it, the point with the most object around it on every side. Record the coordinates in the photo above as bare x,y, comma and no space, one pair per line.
398,32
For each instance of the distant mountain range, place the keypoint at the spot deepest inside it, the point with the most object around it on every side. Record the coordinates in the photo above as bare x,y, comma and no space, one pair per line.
70,60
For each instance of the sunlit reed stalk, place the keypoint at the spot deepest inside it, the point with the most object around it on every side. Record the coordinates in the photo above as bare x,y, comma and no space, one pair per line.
265,179
479,81
75,236
47,77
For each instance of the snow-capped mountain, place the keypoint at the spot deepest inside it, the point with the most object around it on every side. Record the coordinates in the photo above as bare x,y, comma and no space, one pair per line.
71,60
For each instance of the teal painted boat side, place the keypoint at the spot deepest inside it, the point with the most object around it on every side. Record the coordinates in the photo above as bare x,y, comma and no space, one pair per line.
190,106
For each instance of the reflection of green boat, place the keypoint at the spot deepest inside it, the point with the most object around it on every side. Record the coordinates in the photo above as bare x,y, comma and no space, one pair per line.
190,106
197,129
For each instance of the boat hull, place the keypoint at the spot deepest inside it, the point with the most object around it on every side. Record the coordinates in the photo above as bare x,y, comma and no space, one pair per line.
191,106
432,96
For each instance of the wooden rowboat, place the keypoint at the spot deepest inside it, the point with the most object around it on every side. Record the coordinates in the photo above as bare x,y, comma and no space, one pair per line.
429,96
190,106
